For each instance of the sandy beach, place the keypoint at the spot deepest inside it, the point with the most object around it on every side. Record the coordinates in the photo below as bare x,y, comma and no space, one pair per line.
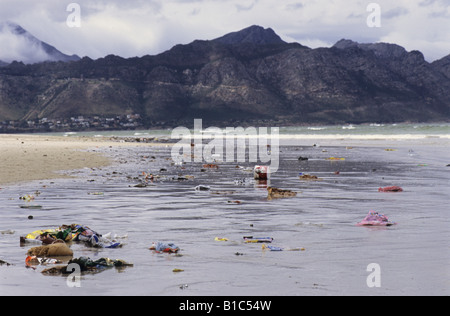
32,157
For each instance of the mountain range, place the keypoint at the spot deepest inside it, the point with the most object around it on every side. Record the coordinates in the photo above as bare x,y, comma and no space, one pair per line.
243,77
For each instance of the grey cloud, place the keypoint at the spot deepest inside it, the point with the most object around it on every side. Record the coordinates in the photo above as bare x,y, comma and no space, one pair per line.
394,13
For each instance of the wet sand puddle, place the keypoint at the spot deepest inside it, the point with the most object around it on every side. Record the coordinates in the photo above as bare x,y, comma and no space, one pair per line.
413,255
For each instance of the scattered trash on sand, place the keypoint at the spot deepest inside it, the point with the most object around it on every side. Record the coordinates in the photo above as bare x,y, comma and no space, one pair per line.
4,263
303,158
160,247
390,189
27,198
68,233
32,261
275,193
31,207
251,239
177,270
182,178
221,239
273,248
141,185
335,159
7,232
210,166
244,169
218,192
375,219
261,172
86,264
307,177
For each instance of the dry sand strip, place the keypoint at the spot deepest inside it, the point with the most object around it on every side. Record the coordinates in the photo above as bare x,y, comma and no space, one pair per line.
34,157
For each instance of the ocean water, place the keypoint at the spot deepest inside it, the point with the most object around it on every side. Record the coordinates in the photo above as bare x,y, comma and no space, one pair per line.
413,256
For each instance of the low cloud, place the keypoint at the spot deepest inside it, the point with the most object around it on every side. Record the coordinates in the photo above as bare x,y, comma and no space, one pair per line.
20,47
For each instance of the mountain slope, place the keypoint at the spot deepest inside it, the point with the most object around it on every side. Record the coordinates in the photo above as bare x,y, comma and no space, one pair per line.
443,66
243,76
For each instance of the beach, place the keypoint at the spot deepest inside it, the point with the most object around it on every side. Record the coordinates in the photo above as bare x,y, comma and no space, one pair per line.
32,157
105,192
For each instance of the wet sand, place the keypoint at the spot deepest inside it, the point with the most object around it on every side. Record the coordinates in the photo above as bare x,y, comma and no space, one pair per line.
25,158
413,255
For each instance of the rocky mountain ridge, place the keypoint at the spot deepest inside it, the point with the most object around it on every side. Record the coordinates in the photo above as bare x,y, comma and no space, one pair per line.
245,76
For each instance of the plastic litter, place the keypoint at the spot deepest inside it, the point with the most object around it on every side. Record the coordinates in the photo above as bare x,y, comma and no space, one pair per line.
251,239
69,233
221,239
375,219
164,247
391,189
86,264
27,198
335,159
273,248
34,260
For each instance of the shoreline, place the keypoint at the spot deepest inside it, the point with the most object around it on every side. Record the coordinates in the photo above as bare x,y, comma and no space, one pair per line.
26,157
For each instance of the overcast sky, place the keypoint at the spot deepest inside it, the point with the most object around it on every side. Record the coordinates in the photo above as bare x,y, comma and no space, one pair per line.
139,27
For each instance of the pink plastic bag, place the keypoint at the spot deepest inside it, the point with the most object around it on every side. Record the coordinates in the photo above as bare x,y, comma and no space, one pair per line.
375,219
